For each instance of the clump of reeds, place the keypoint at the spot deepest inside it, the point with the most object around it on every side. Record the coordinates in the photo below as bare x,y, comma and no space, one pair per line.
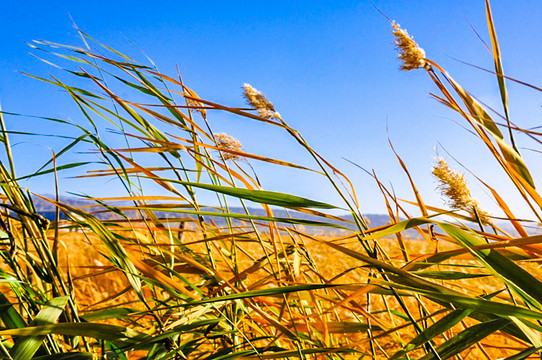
252,286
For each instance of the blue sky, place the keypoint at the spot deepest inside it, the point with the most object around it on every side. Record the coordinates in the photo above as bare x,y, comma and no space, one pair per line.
329,67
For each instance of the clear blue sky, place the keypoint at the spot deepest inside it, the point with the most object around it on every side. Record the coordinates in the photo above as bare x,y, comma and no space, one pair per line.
328,66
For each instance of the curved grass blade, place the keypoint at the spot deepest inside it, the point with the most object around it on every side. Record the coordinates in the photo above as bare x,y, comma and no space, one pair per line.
107,314
442,325
523,354
263,292
446,323
499,70
525,284
263,196
400,226
467,338
116,251
481,117
480,114
474,303
448,275
9,315
58,168
118,334
25,347
67,356
251,217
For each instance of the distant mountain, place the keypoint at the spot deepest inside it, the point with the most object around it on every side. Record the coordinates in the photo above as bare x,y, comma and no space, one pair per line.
47,209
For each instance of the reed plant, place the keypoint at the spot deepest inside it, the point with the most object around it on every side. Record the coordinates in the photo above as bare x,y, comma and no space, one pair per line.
153,274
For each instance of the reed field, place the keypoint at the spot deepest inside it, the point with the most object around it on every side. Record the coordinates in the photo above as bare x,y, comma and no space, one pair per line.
156,273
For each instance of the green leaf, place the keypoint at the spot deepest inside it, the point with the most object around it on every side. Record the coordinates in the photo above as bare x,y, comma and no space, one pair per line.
523,354
480,114
534,337
448,275
522,282
498,66
110,313
442,325
263,292
58,168
459,300
25,348
467,338
9,315
115,249
67,356
114,333
262,196
446,323
516,162
484,119
400,226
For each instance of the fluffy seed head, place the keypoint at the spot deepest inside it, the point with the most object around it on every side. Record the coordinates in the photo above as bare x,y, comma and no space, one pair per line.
194,104
226,142
452,184
412,55
258,101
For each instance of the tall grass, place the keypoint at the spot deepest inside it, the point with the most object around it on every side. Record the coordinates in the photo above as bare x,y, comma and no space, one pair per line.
153,274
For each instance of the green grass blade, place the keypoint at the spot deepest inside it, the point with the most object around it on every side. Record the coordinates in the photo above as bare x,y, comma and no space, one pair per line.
263,196
448,275
474,303
481,116
67,356
446,323
523,354
108,314
515,160
9,315
484,119
25,347
499,70
528,329
525,284
116,251
400,226
439,327
120,334
58,168
263,292
467,338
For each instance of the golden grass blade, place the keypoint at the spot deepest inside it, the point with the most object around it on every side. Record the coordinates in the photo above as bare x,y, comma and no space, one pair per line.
499,71
421,203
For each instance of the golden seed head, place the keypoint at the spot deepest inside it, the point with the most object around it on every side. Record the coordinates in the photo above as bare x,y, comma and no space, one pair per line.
454,186
195,105
258,101
412,55
226,142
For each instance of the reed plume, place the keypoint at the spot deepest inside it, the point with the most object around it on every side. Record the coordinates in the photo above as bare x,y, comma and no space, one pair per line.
226,142
258,100
412,55
453,185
